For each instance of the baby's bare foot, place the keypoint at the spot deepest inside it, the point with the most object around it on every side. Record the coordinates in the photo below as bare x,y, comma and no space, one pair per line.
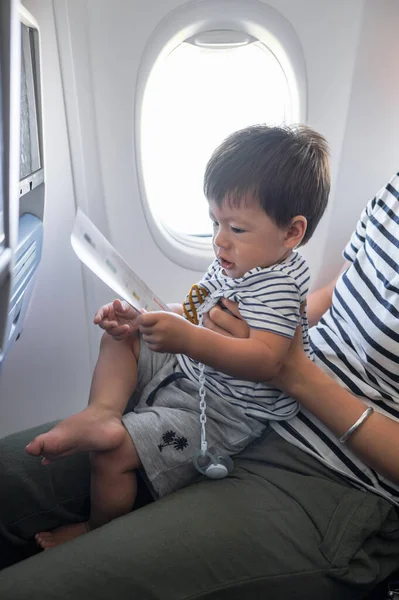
49,539
92,430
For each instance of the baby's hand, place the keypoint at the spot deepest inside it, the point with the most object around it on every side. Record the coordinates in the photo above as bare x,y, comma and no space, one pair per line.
165,331
117,318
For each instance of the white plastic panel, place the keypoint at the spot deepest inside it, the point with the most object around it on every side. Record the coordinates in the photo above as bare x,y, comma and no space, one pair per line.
47,372
9,147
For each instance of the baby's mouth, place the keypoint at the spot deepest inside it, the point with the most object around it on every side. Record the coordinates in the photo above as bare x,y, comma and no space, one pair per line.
226,264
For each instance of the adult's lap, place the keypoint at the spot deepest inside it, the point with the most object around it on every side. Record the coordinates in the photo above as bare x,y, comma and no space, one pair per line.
280,525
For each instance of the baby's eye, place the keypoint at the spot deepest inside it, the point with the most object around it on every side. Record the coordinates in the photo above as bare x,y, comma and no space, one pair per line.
215,224
237,230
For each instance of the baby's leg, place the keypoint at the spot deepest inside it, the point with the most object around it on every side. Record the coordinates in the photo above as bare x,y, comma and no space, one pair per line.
98,427
113,492
113,482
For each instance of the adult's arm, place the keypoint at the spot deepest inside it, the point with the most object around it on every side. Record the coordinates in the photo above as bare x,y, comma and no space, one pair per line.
319,302
375,442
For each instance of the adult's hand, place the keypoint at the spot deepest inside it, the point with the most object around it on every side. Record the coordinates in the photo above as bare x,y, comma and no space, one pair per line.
294,361
226,322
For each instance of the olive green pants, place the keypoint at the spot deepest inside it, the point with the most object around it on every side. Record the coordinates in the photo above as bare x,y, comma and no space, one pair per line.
282,526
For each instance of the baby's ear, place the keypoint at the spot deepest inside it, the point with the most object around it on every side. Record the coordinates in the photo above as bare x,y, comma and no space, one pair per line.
295,232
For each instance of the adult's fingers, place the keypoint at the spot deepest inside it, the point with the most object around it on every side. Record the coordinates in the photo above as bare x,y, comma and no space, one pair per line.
211,324
232,307
227,323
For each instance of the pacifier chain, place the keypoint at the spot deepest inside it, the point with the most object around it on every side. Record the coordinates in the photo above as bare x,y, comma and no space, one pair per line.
204,443
214,467
202,393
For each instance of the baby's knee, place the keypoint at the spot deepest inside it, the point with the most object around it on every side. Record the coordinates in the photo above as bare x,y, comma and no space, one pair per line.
130,344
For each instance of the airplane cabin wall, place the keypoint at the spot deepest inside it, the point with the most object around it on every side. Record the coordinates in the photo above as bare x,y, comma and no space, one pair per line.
47,373
100,44
370,151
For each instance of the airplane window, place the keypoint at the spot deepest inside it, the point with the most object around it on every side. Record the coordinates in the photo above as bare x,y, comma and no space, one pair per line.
201,92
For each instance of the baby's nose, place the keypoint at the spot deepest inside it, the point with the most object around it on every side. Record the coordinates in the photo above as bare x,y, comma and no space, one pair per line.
221,239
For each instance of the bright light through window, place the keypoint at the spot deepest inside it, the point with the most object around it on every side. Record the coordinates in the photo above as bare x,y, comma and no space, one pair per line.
194,99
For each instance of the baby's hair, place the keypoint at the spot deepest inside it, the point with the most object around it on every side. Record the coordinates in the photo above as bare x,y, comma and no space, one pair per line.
286,169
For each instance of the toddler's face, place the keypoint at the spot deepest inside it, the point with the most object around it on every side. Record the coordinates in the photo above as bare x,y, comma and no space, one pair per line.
244,237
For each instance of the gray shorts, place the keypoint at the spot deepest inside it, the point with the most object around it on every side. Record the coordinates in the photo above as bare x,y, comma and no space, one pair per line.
166,429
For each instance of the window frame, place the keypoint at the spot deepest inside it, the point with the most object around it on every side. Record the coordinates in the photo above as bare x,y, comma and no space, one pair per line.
253,17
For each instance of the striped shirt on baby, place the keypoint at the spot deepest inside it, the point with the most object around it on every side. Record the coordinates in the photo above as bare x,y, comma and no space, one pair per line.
269,299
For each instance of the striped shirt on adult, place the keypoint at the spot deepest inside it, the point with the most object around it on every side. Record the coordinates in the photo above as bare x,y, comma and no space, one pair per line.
357,340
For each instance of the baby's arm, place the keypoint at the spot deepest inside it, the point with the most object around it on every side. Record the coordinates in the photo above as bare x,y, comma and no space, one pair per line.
270,305
257,358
